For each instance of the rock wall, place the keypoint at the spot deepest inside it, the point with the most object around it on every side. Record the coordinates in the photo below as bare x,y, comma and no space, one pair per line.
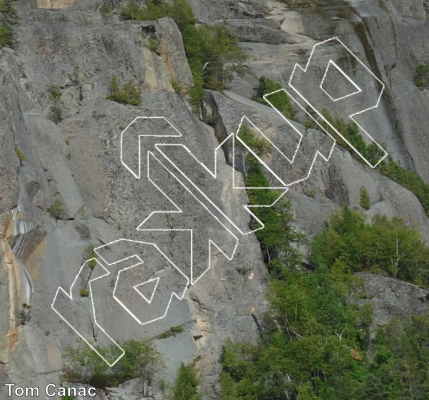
72,45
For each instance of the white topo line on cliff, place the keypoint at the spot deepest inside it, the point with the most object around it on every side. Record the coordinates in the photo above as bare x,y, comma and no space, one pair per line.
283,185
359,90
70,296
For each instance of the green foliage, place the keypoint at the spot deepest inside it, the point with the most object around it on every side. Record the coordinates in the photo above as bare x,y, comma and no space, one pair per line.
408,179
319,344
173,331
364,200
55,110
279,100
277,237
213,53
405,177
185,386
84,292
128,94
153,44
154,9
350,131
91,256
401,360
422,76
56,209
54,92
259,145
315,352
55,114
177,86
141,360
105,9
383,244
5,36
20,154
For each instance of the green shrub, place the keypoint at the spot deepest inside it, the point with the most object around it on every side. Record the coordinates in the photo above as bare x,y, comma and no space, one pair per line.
185,386
383,244
54,92
91,255
213,52
403,176
55,110
155,9
422,76
141,360
173,331
105,9
279,100
364,201
56,209
5,37
277,237
55,114
19,154
153,44
408,179
128,94
177,86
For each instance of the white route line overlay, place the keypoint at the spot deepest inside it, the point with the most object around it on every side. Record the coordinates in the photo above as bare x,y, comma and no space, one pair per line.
139,146
285,187
70,296
150,280
359,90
352,115
214,175
179,211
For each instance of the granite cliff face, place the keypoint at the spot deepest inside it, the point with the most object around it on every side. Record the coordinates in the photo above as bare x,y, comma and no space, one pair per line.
72,45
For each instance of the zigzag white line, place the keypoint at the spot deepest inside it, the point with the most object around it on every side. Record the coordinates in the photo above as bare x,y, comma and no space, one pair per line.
70,296
352,115
180,211
141,262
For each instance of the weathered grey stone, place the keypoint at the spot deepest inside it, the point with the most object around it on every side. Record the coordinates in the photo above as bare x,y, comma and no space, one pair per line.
74,46
393,298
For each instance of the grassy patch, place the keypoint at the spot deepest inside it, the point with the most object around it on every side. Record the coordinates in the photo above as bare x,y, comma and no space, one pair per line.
141,360
55,110
364,199
128,94
279,100
91,255
57,209
173,331
19,154
153,44
408,179
422,76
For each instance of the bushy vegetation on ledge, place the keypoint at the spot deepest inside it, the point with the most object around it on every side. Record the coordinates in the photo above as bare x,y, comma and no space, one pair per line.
422,76
350,131
408,179
318,345
186,384
128,94
348,244
141,360
212,52
9,18
279,100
